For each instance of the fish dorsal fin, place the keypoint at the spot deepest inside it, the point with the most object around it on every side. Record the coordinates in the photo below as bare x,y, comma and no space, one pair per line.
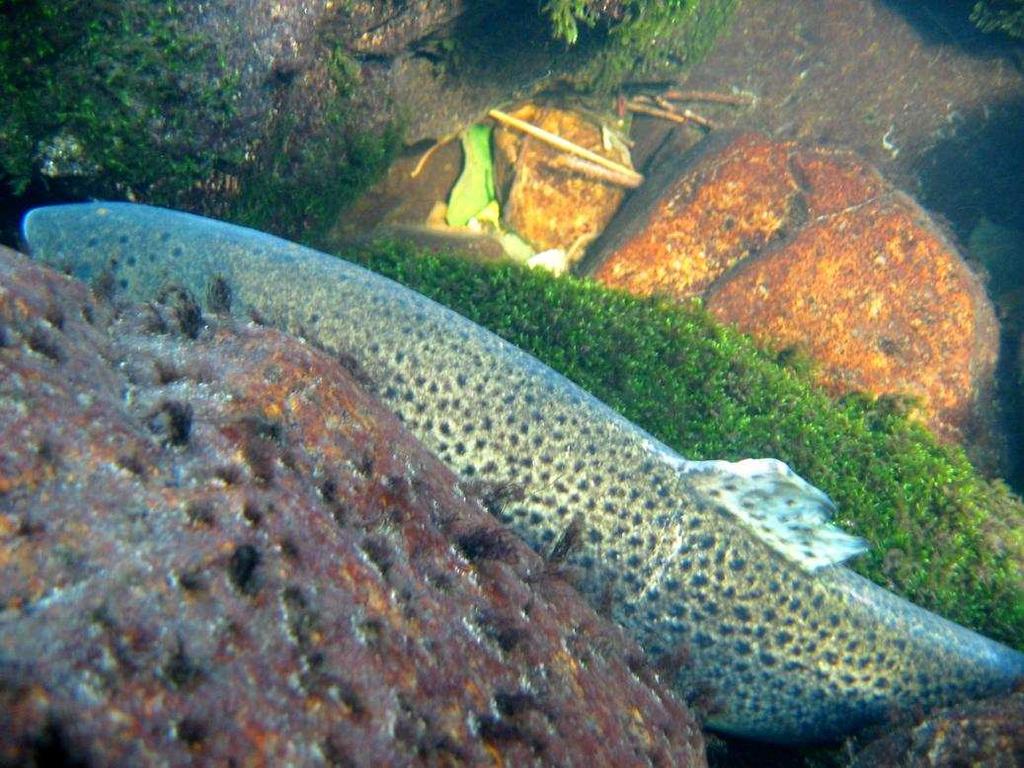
779,507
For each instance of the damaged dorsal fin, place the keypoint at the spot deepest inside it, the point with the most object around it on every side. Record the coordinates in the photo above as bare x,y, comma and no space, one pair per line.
779,507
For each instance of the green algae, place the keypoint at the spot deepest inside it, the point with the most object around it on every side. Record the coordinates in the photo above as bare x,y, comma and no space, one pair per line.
297,188
941,535
652,37
139,106
1000,15
113,80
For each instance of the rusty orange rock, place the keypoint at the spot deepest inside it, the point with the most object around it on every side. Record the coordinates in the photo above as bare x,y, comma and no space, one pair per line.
695,219
811,248
882,302
548,203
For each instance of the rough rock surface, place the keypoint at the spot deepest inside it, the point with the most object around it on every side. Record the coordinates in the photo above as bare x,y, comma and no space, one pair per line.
216,546
810,248
985,733
549,204
698,215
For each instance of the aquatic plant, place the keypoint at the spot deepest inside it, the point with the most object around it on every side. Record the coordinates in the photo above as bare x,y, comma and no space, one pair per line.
639,37
296,188
1000,15
941,535
103,86
136,103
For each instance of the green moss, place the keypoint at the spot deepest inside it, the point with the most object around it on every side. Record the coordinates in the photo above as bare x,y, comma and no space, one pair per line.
297,187
113,80
653,37
127,94
941,535
1000,15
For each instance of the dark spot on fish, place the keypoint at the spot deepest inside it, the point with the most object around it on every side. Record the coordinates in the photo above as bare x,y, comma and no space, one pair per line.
702,640
741,612
698,580
767,659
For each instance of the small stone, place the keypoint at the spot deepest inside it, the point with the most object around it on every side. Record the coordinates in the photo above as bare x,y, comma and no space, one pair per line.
547,203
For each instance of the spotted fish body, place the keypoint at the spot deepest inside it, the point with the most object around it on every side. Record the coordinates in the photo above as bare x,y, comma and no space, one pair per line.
730,565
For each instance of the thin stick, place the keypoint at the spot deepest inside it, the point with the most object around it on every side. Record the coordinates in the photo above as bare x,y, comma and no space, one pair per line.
686,116
565,145
700,120
424,157
739,99
599,172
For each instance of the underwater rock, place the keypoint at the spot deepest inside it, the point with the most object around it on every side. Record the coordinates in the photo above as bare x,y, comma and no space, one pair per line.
546,201
811,249
696,216
216,545
984,733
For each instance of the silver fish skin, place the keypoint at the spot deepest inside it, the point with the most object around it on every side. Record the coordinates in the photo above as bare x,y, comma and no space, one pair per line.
732,566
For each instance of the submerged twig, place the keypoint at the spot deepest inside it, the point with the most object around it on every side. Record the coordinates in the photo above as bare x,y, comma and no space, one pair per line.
683,117
578,164
566,146
738,99
426,156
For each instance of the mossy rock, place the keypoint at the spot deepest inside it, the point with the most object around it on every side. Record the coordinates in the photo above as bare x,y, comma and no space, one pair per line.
633,39
108,88
941,535
1000,15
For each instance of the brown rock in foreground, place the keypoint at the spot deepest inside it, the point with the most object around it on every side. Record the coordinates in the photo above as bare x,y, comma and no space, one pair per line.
216,547
811,249
985,733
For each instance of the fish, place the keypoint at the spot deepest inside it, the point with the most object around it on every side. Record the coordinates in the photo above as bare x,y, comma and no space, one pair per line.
730,573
